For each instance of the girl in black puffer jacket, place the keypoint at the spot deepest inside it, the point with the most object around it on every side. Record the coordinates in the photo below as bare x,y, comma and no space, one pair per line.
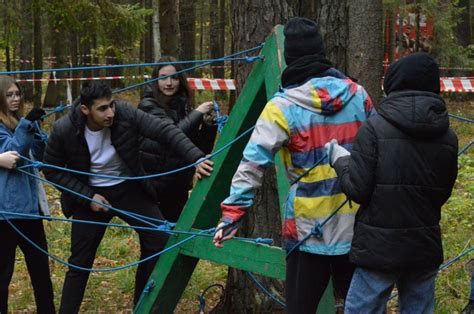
169,98
402,170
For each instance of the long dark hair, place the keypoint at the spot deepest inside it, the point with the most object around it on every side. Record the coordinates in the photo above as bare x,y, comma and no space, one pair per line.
183,89
6,117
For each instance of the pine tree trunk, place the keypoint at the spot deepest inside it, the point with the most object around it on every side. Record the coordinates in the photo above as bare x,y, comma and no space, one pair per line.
463,30
169,27
187,31
252,22
216,41
26,48
74,52
365,45
38,52
156,30
6,29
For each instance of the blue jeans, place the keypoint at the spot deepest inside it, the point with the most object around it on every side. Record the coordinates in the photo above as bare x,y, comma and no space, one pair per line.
370,290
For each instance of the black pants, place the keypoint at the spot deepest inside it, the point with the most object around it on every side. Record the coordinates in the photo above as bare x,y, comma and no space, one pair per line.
36,262
85,239
172,203
307,276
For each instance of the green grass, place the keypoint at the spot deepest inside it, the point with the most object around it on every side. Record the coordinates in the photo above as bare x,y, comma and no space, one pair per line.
113,292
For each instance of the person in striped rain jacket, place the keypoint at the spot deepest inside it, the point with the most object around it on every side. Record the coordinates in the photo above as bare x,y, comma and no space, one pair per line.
316,103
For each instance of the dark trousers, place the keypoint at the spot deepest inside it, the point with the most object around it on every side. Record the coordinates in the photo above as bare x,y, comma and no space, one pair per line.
307,276
85,239
172,203
36,262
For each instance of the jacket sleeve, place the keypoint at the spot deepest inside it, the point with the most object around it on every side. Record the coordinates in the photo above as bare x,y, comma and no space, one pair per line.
188,125
357,172
56,155
21,139
191,122
270,134
206,137
164,131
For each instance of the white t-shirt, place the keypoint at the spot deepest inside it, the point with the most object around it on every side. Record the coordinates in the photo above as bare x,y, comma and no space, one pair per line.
104,158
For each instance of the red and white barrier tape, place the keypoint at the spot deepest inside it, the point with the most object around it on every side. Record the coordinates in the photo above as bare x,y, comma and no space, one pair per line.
457,84
448,84
194,83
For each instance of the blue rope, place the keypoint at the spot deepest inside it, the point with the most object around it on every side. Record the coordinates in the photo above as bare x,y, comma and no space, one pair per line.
37,164
202,299
221,120
128,214
465,148
164,228
446,265
120,66
461,118
179,72
96,270
317,230
265,291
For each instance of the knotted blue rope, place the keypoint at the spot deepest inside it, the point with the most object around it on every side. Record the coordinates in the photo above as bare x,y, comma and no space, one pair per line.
317,230
265,291
221,120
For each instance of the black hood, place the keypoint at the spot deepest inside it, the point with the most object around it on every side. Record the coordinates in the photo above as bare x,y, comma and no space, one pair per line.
419,114
417,71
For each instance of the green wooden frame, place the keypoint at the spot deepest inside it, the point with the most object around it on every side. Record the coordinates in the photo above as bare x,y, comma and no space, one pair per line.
202,211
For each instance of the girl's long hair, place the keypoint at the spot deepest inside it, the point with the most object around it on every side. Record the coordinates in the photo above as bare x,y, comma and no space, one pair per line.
9,119
183,89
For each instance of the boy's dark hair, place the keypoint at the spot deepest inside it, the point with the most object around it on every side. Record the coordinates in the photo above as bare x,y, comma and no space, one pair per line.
93,90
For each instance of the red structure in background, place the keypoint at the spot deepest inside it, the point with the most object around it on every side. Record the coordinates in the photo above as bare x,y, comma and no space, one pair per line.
405,41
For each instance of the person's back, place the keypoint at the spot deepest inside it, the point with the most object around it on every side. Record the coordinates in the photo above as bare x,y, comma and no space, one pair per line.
316,103
402,170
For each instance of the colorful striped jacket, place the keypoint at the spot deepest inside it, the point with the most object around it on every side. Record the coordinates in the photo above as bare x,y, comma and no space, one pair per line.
299,121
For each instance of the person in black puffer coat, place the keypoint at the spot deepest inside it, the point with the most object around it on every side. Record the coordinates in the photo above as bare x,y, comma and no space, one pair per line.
170,99
401,171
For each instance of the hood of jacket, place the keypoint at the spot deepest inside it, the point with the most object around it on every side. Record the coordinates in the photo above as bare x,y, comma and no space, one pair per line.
417,113
326,94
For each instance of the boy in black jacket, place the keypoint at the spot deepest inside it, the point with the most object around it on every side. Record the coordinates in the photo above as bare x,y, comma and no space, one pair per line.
401,171
102,135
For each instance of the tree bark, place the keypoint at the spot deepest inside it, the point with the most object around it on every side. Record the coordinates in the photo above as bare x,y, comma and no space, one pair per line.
187,31
216,41
169,27
463,30
252,22
26,50
156,30
365,45
38,52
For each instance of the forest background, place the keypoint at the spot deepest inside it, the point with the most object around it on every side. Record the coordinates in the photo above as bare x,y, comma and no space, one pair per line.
40,34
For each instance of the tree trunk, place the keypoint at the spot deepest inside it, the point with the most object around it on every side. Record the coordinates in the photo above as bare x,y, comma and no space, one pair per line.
216,41
74,62
26,50
38,52
187,31
169,27
463,30
252,22
56,90
356,49
156,30
148,35
365,45
6,29
392,35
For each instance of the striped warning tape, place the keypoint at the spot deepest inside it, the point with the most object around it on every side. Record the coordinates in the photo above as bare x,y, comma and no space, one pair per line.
194,83
448,84
457,84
